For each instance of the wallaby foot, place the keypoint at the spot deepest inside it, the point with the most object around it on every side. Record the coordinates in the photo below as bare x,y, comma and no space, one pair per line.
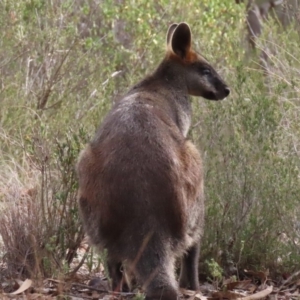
189,269
162,294
119,283
155,271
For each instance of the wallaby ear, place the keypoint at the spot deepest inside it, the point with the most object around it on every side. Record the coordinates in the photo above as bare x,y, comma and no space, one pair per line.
170,32
181,40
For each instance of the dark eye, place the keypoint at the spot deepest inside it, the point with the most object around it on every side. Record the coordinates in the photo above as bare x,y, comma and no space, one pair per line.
206,72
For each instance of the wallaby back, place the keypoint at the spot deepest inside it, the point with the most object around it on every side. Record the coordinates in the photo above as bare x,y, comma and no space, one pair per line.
140,179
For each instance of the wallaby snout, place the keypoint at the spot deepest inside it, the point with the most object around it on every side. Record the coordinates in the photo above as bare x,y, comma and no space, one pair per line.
141,180
205,81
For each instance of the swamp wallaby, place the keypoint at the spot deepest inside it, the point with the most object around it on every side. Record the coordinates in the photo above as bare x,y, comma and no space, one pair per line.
141,179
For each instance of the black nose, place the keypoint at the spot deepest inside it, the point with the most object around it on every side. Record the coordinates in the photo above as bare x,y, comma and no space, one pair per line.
227,91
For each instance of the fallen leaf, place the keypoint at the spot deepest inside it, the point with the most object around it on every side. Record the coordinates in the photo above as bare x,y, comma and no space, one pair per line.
193,295
24,286
36,296
239,284
258,295
229,280
228,295
199,297
262,276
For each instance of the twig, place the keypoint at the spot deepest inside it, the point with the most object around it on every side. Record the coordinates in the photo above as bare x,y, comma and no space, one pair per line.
81,262
289,279
81,296
83,286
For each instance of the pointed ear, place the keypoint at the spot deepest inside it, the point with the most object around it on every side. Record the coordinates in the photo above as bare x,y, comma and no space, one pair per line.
170,32
181,40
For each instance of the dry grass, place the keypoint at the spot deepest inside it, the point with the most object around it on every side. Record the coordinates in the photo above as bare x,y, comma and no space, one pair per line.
40,235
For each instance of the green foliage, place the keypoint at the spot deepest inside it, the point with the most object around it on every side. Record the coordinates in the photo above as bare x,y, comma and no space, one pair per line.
63,64
139,297
214,269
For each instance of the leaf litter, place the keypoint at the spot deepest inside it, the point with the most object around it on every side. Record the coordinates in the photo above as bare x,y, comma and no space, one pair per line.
256,285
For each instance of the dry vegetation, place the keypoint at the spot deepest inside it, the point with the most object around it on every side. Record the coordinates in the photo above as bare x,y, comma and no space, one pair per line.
62,64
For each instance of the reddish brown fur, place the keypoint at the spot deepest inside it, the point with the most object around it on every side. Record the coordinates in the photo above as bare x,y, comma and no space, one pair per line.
141,181
192,56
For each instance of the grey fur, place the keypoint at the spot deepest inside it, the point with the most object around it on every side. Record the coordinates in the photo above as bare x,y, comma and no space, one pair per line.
141,181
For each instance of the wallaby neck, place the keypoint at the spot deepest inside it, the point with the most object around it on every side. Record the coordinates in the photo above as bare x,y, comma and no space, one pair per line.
169,85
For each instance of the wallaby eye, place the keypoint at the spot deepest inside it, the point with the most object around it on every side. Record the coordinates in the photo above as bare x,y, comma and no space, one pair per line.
206,72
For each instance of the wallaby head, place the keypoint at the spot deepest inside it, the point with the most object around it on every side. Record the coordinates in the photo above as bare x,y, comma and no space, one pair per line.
201,79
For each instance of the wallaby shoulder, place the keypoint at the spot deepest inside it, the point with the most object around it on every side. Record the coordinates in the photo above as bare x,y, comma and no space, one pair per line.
159,94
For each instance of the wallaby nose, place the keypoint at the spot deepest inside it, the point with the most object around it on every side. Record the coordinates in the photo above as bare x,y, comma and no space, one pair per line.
227,91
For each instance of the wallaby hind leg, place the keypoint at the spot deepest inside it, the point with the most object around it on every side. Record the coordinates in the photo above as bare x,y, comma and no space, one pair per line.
189,269
164,293
119,283
160,286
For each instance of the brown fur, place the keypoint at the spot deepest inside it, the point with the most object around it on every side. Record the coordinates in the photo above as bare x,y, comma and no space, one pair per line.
141,181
